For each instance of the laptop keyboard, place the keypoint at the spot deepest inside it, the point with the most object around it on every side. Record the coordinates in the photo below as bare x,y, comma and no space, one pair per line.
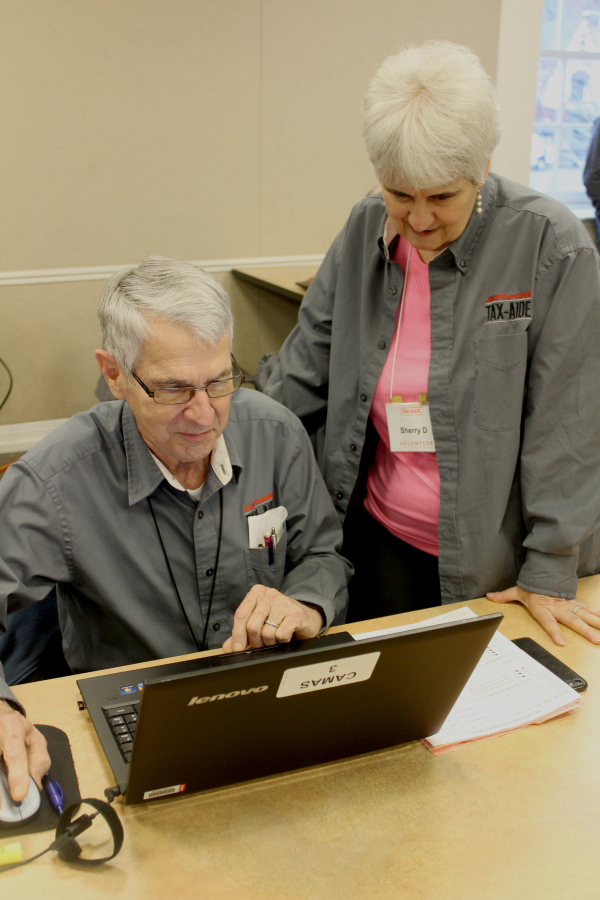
122,721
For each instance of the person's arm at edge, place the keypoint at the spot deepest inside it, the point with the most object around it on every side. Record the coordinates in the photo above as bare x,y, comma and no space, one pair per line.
547,582
21,491
591,172
21,744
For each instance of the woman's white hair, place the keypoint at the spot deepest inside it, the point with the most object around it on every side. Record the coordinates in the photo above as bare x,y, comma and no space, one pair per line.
168,290
430,117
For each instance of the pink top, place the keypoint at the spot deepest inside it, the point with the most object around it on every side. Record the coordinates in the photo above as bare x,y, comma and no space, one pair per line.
403,489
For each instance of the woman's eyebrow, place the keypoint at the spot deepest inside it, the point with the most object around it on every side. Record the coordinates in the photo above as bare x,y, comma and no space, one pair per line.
391,190
441,193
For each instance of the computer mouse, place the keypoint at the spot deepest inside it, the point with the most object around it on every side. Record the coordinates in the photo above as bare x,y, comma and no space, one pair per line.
10,813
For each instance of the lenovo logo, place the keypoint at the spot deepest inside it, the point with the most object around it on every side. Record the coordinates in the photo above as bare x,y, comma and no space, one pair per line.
257,690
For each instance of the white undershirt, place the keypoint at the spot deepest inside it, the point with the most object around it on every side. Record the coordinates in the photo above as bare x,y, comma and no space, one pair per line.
220,464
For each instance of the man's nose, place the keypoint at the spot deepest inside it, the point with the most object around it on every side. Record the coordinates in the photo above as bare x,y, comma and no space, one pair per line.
199,408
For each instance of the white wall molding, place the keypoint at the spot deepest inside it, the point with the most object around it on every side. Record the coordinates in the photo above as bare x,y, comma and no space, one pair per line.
101,273
23,435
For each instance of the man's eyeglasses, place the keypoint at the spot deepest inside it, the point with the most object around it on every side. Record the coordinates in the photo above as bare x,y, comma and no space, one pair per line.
215,389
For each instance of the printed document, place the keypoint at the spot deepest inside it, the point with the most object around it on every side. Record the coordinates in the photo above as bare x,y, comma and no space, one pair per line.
507,690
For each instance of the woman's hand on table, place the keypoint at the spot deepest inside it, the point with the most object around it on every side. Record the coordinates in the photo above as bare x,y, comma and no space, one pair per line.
549,611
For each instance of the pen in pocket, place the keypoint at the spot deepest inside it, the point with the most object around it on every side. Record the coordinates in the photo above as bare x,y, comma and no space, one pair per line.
270,544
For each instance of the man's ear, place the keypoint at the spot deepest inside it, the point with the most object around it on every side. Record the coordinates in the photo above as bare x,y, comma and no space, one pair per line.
112,373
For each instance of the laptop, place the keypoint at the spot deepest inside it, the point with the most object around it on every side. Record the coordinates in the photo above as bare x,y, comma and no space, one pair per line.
177,728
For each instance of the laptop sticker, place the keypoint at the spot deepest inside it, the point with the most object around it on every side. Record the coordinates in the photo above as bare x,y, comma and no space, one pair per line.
161,792
321,676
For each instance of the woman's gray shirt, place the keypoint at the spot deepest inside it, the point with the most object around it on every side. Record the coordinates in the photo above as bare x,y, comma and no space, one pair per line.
514,384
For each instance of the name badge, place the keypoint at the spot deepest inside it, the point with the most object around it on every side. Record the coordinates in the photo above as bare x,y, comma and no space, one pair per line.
409,426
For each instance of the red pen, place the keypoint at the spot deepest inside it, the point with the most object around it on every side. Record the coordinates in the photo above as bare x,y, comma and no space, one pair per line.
270,548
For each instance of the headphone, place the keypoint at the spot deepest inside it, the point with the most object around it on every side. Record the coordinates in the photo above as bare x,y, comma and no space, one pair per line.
68,829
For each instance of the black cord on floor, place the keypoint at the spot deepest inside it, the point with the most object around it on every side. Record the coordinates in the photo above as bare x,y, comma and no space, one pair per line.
10,383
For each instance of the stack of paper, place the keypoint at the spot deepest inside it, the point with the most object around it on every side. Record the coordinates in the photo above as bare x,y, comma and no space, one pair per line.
508,690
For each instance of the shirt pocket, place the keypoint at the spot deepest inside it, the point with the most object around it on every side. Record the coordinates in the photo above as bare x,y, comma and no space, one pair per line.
258,570
500,368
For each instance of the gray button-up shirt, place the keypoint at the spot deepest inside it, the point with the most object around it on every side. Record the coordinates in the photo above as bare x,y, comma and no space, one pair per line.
514,384
75,511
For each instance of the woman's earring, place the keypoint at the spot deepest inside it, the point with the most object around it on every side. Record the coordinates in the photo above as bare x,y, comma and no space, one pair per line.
478,208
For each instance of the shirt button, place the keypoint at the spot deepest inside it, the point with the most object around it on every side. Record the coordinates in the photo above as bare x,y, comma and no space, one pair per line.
381,345
210,572
339,495
463,263
353,447
392,290
200,513
363,397
217,626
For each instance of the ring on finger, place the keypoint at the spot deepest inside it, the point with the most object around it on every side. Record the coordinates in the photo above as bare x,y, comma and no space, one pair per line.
577,608
272,624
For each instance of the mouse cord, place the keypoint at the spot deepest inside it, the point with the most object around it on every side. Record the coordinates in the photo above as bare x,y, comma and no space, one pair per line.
25,861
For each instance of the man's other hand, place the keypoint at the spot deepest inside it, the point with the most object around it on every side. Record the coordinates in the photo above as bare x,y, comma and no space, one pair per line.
23,749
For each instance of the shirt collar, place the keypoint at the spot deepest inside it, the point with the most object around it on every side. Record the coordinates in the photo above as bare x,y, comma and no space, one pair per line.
143,475
219,462
145,471
462,249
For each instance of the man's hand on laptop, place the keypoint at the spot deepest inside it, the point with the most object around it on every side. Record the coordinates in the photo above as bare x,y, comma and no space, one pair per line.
23,749
266,617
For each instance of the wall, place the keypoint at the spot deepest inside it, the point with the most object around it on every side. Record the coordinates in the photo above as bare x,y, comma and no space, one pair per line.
518,52
195,128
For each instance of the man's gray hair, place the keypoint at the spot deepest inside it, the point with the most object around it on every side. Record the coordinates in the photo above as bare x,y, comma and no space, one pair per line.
430,117
169,290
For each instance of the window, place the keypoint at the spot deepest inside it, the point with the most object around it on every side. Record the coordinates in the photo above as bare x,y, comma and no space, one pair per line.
567,98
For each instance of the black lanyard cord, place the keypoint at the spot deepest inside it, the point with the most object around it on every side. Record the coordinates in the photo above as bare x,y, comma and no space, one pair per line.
198,647
212,590
201,646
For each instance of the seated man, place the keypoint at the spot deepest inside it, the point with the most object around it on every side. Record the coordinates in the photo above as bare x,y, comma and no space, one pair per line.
140,509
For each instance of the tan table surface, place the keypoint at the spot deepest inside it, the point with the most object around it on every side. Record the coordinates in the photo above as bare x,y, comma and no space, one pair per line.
279,279
511,818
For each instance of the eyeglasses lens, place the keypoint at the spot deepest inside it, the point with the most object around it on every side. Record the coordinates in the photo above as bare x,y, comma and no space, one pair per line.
172,396
223,388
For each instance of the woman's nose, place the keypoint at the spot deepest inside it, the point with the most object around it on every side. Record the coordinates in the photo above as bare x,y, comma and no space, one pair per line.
421,218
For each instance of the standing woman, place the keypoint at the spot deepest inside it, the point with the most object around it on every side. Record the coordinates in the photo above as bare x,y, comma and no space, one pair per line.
451,343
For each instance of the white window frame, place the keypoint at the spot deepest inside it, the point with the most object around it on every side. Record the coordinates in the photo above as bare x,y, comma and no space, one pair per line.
516,83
